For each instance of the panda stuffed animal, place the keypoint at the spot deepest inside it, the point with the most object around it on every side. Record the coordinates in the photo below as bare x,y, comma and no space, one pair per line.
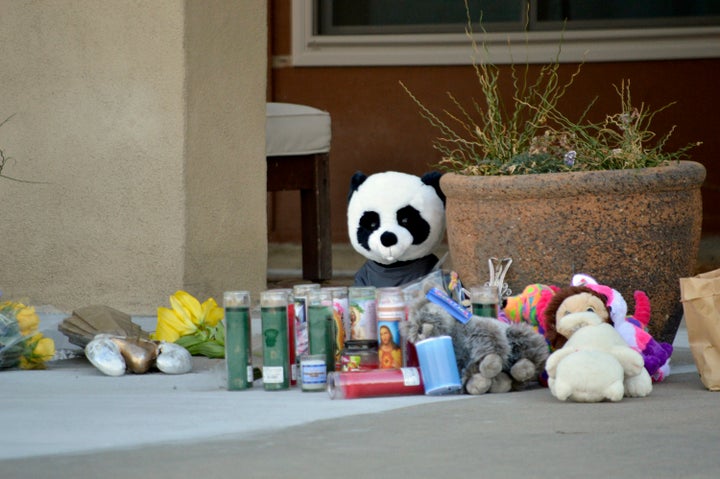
395,220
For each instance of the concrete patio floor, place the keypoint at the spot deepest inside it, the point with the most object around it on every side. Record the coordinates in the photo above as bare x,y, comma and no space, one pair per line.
71,421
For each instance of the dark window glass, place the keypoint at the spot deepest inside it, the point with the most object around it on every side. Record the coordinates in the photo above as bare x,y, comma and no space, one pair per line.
360,17
339,17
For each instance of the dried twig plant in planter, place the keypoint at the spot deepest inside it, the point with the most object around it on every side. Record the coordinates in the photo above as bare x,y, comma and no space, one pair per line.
562,196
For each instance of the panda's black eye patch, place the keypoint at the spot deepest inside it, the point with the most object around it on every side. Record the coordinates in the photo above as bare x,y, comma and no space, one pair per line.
410,219
369,222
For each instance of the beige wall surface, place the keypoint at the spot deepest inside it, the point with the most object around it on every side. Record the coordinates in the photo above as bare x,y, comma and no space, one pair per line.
143,162
226,168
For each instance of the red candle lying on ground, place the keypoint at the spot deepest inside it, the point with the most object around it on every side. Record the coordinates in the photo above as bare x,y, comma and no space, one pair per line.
374,383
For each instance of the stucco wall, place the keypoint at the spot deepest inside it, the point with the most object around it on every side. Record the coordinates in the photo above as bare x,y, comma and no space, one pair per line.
149,168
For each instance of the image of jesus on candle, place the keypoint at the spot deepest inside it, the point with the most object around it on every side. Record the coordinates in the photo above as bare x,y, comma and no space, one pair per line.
389,351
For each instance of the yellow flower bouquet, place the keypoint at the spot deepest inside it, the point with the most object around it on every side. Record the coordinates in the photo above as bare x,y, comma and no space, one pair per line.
196,327
20,342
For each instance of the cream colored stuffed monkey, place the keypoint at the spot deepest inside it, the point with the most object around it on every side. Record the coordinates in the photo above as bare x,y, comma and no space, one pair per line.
595,364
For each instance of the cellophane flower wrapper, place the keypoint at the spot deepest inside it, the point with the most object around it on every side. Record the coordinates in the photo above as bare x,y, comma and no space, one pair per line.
11,341
20,342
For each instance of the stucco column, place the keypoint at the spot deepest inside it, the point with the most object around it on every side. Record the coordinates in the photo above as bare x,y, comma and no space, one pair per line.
226,230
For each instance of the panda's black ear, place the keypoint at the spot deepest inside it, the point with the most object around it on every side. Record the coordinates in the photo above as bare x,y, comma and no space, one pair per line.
357,179
433,179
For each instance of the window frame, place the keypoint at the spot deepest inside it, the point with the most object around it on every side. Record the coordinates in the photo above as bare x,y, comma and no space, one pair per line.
601,45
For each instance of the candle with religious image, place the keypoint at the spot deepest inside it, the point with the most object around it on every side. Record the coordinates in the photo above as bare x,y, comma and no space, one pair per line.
390,311
363,319
300,294
341,315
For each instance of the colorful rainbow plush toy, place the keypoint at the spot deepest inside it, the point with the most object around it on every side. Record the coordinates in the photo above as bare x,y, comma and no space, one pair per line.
527,307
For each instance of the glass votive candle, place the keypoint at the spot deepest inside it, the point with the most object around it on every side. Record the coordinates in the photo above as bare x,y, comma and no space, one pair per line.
313,372
485,301
321,326
238,335
276,359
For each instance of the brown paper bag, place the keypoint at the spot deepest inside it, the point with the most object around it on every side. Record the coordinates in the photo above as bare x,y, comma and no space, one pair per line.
700,296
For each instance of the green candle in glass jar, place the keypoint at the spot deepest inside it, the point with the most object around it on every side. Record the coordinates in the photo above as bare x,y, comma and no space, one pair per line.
238,346
276,359
321,326
485,301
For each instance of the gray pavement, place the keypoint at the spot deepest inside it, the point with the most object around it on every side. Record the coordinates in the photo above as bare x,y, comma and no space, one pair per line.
70,421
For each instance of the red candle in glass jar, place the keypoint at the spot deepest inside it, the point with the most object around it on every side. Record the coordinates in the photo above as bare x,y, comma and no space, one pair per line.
375,383
291,344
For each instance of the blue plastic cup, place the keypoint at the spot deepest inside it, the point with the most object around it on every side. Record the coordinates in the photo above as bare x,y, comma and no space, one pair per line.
438,366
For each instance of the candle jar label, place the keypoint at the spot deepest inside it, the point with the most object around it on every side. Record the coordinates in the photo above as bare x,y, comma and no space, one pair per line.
359,355
389,350
363,320
300,302
341,316
301,332
411,376
273,374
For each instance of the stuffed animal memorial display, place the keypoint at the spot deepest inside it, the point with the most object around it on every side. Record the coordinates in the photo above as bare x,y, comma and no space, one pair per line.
541,305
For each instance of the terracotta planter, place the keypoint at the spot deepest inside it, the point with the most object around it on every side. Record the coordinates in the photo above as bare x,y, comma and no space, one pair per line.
630,229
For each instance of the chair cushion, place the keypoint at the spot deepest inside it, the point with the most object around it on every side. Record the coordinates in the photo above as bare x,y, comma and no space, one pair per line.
296,130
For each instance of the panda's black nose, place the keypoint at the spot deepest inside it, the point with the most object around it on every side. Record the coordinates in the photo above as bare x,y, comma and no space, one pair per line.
388,239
